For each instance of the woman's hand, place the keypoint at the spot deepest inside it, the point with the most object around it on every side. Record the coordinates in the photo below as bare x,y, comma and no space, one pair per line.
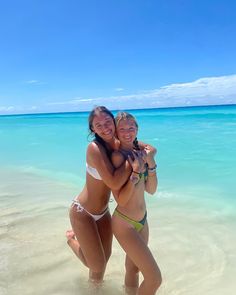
150,154
137,163
150,150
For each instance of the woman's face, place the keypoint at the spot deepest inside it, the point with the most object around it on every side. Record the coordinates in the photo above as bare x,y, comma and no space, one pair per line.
104,126
126,131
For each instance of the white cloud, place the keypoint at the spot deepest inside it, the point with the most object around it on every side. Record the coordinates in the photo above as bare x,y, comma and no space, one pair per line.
213,86
6,109
203,91
118,89
34,108
34,82
74,101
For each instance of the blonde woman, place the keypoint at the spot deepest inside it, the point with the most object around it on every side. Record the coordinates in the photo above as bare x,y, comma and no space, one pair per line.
129,220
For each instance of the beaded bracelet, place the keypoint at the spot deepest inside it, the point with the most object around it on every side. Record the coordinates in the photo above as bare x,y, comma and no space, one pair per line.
152,169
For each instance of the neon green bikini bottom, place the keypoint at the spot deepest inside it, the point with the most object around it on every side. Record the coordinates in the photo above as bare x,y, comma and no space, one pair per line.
138,225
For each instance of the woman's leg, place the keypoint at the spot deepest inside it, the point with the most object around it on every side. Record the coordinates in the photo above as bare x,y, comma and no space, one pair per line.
131,276
75,246
88,246
132,271
137,250
106,235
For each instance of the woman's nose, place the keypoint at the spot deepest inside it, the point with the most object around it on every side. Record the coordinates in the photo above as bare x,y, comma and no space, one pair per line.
105,127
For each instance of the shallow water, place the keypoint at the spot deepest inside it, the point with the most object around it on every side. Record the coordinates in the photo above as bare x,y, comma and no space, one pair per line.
192,218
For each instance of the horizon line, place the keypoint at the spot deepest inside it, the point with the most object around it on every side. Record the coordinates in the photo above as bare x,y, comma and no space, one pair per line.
116,110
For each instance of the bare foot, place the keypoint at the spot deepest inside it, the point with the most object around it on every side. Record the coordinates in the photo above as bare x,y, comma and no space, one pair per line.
70,235
75,246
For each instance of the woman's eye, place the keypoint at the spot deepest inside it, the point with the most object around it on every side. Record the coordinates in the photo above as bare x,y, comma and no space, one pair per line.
108,122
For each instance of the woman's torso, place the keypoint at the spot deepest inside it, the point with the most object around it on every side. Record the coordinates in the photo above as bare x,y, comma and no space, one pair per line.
135,208
96,194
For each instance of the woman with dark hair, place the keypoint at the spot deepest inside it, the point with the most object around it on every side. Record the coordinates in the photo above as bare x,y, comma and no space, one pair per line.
91,234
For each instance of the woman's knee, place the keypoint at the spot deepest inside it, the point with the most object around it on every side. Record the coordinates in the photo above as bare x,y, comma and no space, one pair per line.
131,268
98,266
154,279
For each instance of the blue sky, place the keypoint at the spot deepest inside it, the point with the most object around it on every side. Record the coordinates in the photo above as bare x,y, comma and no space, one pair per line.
58,56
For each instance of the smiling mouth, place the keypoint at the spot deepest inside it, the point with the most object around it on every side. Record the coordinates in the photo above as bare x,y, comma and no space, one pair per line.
107,133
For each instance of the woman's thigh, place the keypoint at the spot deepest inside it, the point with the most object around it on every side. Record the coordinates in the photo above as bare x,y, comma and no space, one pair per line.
144,234
105,232
135,246
88,236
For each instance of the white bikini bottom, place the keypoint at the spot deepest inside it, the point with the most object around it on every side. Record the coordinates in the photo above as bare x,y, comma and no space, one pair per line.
80,208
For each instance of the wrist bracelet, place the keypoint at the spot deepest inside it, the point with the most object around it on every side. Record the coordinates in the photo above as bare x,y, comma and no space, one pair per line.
152,169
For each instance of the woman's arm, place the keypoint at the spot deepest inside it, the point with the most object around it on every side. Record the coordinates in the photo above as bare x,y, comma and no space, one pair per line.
124,194
151,182
113,178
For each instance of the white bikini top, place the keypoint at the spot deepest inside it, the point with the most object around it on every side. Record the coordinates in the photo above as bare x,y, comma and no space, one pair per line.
93,172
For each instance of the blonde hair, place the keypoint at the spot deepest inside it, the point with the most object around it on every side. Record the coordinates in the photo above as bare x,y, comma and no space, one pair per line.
127,116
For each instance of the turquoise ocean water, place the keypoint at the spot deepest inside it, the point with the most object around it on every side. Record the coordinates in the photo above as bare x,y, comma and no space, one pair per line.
192,217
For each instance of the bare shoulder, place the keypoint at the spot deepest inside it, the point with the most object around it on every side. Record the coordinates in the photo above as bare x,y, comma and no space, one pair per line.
117,159
93,148
94,153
